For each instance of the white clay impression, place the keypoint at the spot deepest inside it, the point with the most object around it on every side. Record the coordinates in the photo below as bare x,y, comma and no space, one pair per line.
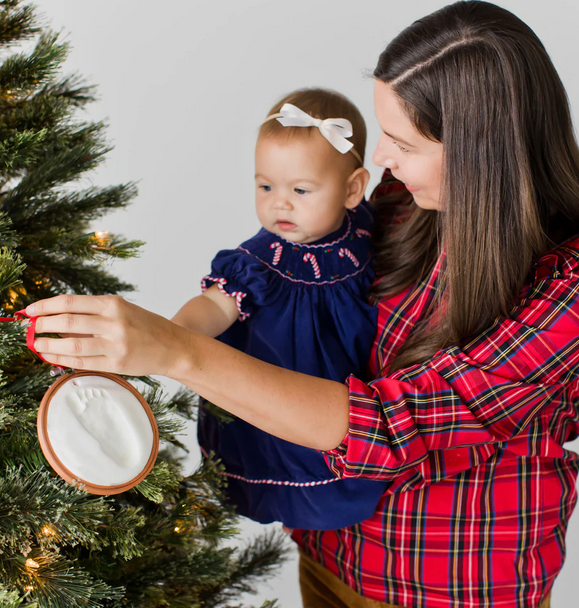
106,422
99,430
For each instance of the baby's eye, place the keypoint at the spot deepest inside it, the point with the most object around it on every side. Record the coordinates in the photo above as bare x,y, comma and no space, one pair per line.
402,148
300,191
265,187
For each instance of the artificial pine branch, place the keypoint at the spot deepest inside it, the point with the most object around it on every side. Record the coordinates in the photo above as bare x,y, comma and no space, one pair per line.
12,599
30,502
22,73
19,149
8,236
10,268
70,208
16,23
67,154
57,581
258,558
71,88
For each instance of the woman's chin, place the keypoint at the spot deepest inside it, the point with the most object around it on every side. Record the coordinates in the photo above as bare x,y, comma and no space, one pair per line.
426,203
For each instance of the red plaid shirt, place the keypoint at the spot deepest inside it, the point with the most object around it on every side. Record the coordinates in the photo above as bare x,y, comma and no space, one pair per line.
481,489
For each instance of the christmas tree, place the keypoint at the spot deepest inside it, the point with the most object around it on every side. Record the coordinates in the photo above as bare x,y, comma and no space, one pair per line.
161,544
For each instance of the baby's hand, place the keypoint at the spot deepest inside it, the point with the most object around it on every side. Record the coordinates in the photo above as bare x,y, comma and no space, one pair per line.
286,529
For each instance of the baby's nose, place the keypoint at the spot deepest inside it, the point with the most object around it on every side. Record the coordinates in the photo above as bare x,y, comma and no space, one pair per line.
283,203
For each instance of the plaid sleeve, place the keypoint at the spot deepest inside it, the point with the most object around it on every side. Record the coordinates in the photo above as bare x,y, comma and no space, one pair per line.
420,424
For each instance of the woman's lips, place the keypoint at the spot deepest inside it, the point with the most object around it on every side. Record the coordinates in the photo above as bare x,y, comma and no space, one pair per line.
409,187
285,225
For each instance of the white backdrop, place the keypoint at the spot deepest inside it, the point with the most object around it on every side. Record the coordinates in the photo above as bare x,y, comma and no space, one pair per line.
184,85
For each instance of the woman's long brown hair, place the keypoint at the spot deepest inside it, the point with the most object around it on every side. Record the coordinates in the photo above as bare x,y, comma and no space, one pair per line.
476,78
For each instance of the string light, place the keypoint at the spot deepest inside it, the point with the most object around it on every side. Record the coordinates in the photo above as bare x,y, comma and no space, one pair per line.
103,240
30,563
48,531
29,588
177,529
13,295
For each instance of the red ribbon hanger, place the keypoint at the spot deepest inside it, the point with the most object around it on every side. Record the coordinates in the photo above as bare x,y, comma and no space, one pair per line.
30,333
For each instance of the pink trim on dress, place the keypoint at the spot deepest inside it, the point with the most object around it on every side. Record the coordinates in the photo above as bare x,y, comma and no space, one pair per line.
238,295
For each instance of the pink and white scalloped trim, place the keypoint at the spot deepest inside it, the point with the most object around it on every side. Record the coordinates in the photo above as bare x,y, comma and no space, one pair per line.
338,240
238,295
275,482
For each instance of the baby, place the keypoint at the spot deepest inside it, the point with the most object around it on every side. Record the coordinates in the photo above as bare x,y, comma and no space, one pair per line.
295,295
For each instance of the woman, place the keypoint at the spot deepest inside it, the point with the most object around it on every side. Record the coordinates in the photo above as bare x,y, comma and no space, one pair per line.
477,351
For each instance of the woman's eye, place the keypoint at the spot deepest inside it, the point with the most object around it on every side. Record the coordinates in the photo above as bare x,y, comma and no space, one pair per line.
265,188
300,191
402,148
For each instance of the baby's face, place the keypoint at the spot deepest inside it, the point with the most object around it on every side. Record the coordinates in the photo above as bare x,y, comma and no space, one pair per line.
301,187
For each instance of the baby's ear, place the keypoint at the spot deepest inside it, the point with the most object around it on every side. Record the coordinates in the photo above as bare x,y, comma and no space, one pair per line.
357,183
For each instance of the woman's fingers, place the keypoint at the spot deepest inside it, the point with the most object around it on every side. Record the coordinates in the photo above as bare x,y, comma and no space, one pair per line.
95,364
87,347
107,333
75,335
89,326
72,324
70,303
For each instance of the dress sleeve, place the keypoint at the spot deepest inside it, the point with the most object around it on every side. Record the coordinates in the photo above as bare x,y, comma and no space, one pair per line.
240,275
429,421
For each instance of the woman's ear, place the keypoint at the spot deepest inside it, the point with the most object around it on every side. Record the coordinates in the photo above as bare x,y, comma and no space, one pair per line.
356,187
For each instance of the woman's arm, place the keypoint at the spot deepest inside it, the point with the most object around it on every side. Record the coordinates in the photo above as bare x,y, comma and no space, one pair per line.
475,397
303,409
276,402
127,339
512,387
211,313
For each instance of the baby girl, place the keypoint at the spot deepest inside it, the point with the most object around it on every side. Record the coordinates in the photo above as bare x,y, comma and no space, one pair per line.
295,295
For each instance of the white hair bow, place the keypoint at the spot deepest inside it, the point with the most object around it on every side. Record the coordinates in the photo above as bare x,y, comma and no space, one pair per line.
335,130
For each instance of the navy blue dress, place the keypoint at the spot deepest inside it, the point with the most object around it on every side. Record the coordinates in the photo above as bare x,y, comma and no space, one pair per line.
302,307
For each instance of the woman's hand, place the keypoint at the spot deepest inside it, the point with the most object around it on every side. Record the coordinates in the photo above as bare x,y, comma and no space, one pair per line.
109,334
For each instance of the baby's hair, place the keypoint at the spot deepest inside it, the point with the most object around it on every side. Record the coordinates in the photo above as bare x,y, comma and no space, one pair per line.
319,103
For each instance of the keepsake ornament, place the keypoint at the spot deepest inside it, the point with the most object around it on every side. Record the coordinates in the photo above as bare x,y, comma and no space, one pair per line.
94,428
97,430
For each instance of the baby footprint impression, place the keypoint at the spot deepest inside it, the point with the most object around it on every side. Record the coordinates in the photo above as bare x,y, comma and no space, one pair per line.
104,420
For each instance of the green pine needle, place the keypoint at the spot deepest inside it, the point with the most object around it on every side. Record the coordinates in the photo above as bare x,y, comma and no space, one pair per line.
16,23
22,72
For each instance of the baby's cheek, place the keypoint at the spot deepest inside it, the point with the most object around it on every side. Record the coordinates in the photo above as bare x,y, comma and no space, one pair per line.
264,218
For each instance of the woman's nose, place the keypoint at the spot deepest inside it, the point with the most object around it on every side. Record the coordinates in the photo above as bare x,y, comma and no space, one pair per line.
382,156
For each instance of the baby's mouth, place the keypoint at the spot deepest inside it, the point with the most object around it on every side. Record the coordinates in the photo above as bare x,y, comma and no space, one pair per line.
285,225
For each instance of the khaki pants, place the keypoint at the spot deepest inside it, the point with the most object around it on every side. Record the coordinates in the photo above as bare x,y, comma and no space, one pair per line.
321,589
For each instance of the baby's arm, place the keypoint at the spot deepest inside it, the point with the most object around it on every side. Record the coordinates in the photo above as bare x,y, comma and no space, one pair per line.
211,313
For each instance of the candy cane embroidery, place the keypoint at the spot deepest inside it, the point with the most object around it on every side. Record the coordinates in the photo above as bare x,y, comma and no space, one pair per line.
361,232
310,257
277,255
346,252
